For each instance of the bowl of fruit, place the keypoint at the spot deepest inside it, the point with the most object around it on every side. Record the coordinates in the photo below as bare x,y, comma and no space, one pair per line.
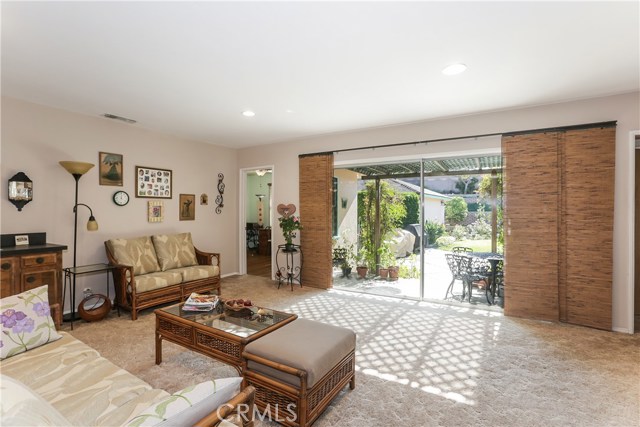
237,304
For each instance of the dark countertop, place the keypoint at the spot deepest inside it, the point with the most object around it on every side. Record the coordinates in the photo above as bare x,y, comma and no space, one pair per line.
28,249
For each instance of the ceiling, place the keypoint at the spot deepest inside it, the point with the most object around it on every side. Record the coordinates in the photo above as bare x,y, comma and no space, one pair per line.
307,68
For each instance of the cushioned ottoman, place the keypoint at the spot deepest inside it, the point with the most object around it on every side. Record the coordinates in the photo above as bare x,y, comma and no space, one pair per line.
298,369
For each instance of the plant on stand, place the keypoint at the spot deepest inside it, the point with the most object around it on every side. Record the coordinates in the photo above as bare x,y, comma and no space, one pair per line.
289,225
386,258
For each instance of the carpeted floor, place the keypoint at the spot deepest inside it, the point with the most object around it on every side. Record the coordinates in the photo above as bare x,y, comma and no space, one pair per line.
421,364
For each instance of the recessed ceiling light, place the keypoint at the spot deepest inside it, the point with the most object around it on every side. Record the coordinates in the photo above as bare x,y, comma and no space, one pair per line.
248,113
289,111
454,69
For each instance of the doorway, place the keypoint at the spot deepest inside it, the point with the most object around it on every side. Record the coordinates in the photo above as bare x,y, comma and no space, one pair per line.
257,202
378,212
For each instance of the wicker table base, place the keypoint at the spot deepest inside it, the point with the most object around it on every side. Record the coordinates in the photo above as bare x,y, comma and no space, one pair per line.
202,332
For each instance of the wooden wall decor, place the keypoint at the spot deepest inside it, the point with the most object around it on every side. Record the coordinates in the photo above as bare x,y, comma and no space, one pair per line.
316,185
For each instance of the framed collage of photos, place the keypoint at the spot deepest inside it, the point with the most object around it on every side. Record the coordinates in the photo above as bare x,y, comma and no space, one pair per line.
153,183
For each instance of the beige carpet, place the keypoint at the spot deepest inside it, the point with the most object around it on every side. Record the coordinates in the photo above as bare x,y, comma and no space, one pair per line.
421,364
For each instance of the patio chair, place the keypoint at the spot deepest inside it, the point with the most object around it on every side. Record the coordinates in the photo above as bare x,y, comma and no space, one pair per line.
461,249
459,265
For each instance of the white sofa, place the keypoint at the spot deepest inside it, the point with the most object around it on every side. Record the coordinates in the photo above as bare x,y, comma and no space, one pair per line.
51,378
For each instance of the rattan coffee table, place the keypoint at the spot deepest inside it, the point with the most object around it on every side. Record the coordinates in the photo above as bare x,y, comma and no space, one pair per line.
221,334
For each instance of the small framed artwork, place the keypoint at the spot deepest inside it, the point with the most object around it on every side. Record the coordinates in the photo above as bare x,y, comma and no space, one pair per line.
204,199
153,182
22,239
187,207
155,211
110,169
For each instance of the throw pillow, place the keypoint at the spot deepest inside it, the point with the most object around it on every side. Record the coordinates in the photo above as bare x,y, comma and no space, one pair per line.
175,251
21,406
189,405
137,252
26,322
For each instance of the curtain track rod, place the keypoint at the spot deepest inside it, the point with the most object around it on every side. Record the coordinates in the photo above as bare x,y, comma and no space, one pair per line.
484,135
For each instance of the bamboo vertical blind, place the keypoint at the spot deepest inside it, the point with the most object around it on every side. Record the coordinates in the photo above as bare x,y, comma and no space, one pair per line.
559,189
316,186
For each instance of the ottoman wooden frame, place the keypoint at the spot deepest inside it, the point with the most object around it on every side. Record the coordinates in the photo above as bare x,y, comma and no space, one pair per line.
309,403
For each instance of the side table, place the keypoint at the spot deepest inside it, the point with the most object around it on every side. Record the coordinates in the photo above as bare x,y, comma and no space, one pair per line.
291,268
70,274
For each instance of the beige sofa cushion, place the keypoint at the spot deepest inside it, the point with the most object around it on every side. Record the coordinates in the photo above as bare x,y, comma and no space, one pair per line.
138,252
21,406
175,251
157,280
197,272
83,386
303,344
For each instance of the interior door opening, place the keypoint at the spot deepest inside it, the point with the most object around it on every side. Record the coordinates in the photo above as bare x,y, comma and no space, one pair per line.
258,216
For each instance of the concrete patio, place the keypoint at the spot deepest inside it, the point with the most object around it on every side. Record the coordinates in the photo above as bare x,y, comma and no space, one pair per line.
437,279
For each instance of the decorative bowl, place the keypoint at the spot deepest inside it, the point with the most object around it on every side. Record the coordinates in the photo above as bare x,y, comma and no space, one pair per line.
235,306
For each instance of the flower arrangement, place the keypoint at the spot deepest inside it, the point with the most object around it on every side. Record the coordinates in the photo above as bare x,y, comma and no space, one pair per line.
289,224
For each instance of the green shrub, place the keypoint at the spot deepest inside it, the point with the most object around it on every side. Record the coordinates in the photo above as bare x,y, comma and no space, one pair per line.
445,241
455,210
459,232
412,207
433,230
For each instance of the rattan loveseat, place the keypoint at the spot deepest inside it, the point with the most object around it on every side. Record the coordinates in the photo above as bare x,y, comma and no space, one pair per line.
153,270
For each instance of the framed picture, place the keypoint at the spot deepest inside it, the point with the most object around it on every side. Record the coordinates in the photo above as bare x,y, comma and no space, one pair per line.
110,169
153,182
156,211
187,207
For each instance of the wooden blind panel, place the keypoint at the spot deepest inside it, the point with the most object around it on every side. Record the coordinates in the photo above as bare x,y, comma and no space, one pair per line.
531,197
587,219
316,185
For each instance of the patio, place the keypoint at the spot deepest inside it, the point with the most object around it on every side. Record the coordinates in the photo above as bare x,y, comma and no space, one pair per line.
437,279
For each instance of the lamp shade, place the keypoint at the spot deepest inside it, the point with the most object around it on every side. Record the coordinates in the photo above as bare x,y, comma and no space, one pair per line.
92,224
76,168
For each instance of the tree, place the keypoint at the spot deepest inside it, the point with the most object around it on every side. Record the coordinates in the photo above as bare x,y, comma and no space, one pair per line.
455,210
466,184
392,211
412,207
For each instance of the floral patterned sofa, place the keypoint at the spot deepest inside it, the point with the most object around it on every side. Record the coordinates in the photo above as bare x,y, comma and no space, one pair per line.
153,270
49,378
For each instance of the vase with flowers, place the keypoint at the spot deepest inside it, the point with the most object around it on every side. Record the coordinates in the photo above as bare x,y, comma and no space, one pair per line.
289,224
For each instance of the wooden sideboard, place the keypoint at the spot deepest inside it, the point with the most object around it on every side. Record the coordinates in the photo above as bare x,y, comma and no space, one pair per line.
30,266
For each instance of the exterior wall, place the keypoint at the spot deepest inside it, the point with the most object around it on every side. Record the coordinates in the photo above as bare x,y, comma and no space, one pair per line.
625,109
347,190
35,138
433,210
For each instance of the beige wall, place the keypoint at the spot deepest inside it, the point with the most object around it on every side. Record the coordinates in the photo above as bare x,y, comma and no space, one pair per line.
35,138
622,108
347,189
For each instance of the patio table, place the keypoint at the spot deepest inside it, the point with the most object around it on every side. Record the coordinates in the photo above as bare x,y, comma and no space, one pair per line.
494,259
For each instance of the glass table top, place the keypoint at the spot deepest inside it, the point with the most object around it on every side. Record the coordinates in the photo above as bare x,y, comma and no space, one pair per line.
243,323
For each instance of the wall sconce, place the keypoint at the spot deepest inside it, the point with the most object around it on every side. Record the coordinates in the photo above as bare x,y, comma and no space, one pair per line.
344,202
20,190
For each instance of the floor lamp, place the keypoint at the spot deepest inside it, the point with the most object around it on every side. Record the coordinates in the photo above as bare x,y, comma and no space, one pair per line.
77,169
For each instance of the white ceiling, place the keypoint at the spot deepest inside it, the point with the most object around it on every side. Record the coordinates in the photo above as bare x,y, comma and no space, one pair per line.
190,69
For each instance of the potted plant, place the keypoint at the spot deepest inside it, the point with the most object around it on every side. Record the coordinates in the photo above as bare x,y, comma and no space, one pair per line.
386,258
362,264
289,224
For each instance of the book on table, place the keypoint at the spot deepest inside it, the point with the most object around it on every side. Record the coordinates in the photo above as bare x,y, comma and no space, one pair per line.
200,302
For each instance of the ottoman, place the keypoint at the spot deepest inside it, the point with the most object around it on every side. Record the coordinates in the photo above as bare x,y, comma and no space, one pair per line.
298,369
